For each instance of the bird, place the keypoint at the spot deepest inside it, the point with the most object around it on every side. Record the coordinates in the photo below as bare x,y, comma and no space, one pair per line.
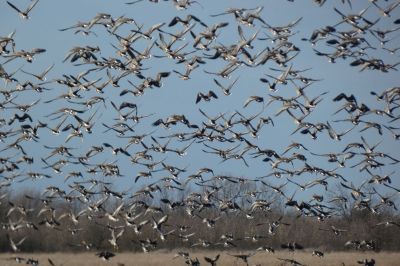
291,261
52,263
147,34
292,246
212,261
342,96
366,262
183,254
185,21
266,248
206,97
318,253
114,238
226,90
41,76
335,230
24,14
226,71
258,99
20,119
105,255
15,245
243,257
388,223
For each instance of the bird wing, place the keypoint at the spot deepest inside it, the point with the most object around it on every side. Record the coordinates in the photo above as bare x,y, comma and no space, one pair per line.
31,6
163,219
120,233
174,21
212,94
51,262
118,209
199,97
14,7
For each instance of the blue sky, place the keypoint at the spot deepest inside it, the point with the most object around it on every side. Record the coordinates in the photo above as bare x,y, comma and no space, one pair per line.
178,97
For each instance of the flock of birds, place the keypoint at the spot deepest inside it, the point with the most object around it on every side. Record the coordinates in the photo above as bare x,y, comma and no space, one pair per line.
191,44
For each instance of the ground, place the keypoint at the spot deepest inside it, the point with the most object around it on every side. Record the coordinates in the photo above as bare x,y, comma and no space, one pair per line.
166,258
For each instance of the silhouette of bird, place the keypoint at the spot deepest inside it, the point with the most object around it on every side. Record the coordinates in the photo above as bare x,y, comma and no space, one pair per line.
24,14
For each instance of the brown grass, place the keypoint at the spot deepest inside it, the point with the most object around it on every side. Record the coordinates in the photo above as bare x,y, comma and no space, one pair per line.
166,258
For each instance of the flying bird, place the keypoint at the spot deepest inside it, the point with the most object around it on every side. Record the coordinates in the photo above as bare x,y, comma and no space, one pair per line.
24,14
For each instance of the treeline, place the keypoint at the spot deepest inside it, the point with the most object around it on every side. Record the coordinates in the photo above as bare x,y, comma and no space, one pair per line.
51,224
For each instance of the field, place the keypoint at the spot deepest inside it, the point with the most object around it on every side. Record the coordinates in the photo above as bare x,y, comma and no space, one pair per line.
167,258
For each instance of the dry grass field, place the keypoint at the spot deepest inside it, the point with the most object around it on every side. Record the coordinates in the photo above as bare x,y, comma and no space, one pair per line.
166,258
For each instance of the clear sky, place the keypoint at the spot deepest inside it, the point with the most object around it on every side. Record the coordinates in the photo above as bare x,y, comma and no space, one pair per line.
178,97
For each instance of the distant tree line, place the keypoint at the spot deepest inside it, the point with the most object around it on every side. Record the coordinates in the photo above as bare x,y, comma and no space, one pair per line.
50,223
